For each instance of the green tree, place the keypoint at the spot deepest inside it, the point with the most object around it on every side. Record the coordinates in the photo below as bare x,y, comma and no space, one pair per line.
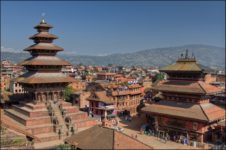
157,77
68,93
67,147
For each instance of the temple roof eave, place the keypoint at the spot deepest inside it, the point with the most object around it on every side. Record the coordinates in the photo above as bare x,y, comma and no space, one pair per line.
33,61
43,35
101,100
44,46
177,90
36,78
203,112
43,25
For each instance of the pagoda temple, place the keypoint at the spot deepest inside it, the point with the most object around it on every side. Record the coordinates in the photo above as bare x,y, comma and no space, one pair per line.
44,115
184,109
44,80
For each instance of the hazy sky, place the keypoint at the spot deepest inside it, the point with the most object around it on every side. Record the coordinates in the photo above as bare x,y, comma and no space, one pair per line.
98,28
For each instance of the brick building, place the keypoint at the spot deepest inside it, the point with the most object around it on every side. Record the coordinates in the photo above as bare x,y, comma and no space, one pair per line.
16,88
126,97
105,76
101,104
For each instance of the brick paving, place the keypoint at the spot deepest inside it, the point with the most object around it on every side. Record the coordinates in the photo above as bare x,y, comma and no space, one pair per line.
132,129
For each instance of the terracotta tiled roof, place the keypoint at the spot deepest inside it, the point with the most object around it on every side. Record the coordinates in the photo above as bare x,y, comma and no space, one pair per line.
209,88
43,25
44,46
98,137
101,96
44,34
134,86
212,111
182,65
35,77
199,87
204,112
44,60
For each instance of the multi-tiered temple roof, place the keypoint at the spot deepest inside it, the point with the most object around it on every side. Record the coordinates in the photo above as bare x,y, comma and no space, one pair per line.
184,93
44,67
44,80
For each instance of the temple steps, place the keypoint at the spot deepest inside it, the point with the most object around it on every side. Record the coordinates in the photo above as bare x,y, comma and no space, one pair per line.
34,119
38,129
20,118
66,104
71,109
29,112
77,115
25,120
33,106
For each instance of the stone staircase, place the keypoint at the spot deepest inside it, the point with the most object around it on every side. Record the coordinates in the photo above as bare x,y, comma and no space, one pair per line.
60,119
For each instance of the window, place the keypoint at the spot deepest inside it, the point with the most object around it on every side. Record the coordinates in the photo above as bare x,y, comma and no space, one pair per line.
195,126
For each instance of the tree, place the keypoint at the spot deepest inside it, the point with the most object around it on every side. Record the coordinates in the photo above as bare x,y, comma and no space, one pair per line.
110,65
68,93
158,77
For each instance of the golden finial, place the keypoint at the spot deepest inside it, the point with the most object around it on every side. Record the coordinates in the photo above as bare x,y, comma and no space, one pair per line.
43,20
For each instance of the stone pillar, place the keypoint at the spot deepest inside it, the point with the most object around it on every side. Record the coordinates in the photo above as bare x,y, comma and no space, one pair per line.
201,138
156,123
105,113
39,97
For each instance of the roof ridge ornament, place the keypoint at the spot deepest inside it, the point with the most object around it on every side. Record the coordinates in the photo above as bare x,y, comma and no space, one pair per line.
186,54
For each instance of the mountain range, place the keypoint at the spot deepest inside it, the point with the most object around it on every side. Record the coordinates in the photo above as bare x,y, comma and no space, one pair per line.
211,56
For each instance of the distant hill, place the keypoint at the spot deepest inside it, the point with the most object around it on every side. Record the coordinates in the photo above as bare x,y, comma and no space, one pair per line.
211,56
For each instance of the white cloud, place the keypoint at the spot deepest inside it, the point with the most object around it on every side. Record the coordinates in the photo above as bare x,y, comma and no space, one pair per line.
4,49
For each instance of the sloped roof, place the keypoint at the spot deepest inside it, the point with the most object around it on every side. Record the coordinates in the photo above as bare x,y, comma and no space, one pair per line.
93,138
44,34
182,65
134,86
98,137
204,112
38,77
45,60
101,97
198,87
44,46
45,25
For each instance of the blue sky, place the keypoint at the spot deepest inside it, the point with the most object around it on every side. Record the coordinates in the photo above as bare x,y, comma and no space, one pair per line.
99,28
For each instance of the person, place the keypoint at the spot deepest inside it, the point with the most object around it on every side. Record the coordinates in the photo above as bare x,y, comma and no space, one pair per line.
174,138
116,122
90,112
